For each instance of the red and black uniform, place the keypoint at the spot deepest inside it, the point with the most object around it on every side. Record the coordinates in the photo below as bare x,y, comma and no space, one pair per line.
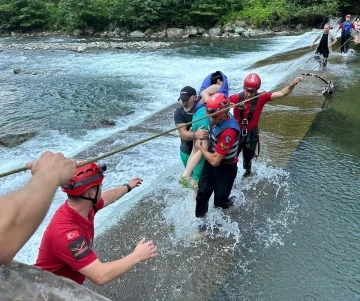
67,243
248,116
224,140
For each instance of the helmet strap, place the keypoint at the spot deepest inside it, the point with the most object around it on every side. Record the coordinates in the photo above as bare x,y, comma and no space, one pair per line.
93,200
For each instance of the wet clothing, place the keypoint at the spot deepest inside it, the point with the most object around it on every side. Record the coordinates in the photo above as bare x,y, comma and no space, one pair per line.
346,28
204,123
220,179
180,116
66,246
198,168
249,138
323,48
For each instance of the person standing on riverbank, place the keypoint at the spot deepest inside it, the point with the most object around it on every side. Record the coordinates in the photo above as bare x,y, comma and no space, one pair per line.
66,247
248,114
183,115
357,27
220,167
327,40
346,27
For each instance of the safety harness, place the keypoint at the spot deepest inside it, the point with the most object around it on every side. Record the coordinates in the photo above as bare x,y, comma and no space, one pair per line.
245,122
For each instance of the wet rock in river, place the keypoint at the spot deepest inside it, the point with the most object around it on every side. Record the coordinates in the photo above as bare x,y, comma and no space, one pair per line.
11,140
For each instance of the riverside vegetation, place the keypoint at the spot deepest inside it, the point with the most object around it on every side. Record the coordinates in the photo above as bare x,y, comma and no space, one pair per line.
64,16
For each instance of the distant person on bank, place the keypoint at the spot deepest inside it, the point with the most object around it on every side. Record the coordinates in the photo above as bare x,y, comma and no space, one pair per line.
23,210
327,40
346,28
357,27
66,247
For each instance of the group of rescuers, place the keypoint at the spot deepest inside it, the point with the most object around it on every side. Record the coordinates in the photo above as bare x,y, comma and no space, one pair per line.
209,150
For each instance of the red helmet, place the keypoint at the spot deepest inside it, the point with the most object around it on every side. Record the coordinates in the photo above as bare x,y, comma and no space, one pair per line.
85,177
217,102
252,82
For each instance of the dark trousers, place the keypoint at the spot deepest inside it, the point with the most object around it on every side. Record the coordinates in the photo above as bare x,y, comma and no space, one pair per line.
219,180
325,54
248,145
345,42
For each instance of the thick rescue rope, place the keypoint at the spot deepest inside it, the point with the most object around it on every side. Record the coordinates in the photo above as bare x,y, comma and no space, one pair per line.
141,141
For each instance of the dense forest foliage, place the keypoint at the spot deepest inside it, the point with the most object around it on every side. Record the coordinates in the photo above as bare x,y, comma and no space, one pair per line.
66,15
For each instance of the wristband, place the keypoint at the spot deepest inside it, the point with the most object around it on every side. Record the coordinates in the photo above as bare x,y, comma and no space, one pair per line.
128,187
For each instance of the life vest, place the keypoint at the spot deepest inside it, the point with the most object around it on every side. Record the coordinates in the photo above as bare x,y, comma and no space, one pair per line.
347,26
207,83
214,134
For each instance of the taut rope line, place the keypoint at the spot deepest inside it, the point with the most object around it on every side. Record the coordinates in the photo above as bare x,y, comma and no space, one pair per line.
14,171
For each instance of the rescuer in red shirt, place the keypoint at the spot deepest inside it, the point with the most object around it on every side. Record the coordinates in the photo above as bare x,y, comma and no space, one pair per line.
248,114
66,247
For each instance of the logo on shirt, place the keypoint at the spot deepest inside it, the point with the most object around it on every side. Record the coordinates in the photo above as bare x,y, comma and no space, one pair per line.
71,235
227,139
223,147
79,248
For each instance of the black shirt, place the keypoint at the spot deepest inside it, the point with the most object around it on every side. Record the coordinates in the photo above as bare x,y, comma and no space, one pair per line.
180,116
324,42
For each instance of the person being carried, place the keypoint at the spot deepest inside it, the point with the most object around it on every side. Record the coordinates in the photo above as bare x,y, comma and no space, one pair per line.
66,246
213,83
220,167
23,210
327,40
346,27
248,114
183,115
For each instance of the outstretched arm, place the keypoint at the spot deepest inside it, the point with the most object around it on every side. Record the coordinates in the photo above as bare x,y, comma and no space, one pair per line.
209,91
112,195
287,90
22,210
314,41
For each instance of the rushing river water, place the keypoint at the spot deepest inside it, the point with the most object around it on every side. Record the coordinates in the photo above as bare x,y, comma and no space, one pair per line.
294,231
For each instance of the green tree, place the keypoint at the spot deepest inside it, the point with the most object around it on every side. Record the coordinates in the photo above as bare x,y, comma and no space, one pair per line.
22,14
74,14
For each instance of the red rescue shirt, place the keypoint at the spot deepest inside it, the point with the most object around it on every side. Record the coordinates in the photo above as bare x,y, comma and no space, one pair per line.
226,140
66,246
262,100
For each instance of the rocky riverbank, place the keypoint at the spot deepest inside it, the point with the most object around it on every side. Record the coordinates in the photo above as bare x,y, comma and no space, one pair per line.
81,47
235,29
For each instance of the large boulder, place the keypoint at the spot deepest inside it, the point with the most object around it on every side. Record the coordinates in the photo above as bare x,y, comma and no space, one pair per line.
78,32
160,34
239,30
11,140
88,30
215,32
137,34
174,32
191,31
299,27
228,27
23,282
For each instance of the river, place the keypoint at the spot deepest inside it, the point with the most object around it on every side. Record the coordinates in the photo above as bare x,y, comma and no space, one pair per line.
293,232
